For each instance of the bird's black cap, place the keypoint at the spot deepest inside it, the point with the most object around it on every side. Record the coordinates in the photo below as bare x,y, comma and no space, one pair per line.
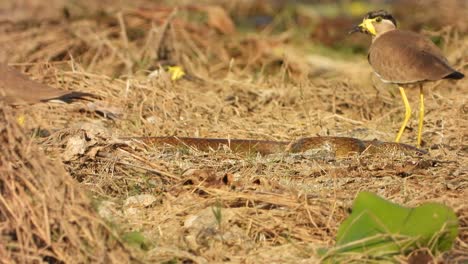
383,14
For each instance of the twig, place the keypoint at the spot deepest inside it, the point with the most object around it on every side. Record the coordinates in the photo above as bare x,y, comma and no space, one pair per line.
157,170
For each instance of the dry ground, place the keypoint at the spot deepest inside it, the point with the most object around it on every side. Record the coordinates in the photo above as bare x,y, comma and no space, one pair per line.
220,206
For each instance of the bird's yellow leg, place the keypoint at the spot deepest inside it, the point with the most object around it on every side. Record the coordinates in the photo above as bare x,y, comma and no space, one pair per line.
421,115
407,114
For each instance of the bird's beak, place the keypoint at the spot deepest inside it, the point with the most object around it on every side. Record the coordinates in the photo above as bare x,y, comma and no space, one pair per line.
365,27
357,28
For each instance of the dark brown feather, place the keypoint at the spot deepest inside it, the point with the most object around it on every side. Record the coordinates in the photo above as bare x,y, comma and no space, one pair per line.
455,76
17,89
399,56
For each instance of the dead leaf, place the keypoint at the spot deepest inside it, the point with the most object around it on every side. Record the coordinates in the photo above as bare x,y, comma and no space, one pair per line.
76,147
204,177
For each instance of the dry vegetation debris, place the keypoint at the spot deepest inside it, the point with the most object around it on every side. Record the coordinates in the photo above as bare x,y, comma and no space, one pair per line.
45,215
218,205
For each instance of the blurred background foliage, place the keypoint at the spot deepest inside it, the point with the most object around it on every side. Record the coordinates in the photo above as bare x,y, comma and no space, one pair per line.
314,26
321,22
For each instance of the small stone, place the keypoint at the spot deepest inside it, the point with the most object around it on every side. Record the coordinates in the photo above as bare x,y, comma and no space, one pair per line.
132,212
141,200
107,210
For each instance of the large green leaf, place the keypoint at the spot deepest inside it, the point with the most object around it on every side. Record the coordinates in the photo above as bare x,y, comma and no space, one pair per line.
380,229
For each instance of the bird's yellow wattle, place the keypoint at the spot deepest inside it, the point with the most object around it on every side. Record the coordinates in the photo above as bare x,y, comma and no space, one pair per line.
367,24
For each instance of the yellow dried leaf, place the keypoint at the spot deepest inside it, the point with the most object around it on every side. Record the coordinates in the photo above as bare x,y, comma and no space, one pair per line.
176,72
21,120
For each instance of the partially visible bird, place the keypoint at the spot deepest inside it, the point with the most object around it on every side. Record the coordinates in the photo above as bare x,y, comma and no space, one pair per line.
17,89
404,57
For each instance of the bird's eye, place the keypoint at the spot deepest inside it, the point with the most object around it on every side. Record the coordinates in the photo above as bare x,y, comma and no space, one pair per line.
379,19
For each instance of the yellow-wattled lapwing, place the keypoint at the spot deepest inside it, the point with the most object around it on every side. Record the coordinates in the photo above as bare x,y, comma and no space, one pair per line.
17,89
403,57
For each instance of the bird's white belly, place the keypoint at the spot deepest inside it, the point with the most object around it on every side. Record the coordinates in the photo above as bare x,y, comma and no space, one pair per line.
382,79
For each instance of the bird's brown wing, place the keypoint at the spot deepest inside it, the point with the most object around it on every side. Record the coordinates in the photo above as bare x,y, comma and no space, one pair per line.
407,57
17,89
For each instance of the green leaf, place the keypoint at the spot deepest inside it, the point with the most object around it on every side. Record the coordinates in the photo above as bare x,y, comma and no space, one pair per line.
378,228
135,239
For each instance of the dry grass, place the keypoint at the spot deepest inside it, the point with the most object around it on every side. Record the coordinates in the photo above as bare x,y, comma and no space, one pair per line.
220,206
45,217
